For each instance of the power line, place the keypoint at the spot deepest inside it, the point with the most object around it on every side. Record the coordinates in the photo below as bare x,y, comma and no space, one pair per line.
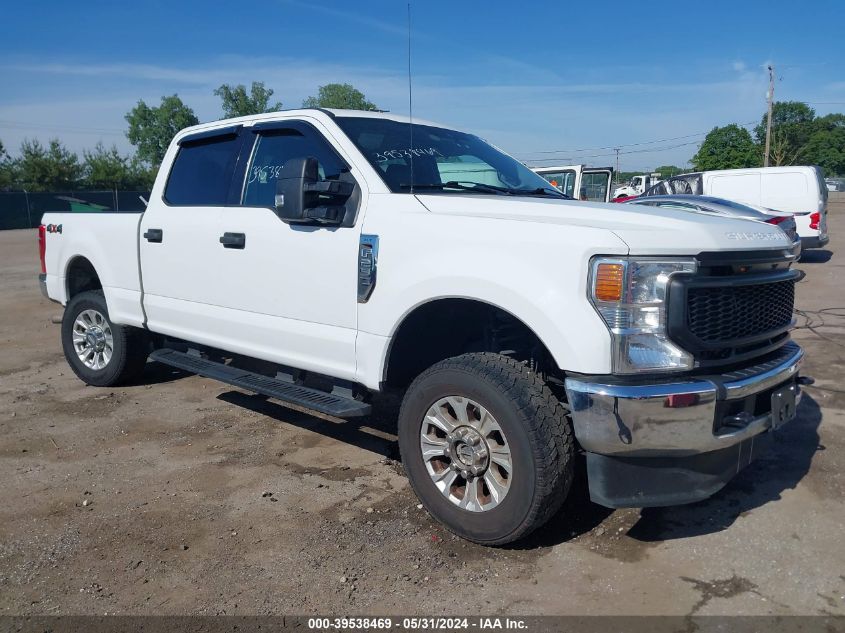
620,145
614,153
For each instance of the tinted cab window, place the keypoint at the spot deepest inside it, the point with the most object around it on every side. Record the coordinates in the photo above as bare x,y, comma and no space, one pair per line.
202,172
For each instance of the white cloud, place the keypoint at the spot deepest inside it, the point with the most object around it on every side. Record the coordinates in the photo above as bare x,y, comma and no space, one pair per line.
399,28
739,66
540,111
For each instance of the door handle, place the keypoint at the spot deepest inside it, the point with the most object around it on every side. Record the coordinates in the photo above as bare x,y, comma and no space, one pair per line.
153,235
233,240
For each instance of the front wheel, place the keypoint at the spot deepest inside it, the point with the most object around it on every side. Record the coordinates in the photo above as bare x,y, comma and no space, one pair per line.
487,447
100,352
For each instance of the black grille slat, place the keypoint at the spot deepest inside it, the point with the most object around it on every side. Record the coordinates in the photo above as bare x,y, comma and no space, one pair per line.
733,313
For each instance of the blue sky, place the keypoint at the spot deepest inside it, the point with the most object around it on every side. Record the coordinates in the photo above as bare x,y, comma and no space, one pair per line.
531,77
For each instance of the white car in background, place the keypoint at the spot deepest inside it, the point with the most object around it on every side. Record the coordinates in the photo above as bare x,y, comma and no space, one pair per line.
727,208
798,190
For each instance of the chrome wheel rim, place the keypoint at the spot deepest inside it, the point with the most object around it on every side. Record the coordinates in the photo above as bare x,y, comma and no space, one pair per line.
92,339
466,453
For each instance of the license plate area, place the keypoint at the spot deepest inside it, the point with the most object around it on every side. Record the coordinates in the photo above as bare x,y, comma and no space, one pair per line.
783,405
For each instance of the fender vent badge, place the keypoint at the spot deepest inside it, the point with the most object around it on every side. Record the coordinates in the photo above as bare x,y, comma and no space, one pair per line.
367,265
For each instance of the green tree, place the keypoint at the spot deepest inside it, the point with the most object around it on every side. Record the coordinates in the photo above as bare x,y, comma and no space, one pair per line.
106,168
784,113
340,96
826,145
667,171
791,129
236,101
152,128
728,147
141,175
48,168
7,169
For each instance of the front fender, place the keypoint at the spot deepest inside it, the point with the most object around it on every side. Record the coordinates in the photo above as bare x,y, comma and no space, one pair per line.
537,273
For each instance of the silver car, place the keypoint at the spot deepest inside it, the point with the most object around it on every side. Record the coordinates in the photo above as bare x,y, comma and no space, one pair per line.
720,206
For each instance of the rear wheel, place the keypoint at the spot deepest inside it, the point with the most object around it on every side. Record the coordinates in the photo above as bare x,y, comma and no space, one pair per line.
100,352
487,447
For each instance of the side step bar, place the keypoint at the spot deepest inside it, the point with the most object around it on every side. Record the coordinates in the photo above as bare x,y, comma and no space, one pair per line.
321,401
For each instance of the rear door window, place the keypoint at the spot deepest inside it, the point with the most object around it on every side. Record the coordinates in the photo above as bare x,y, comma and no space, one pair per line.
202,171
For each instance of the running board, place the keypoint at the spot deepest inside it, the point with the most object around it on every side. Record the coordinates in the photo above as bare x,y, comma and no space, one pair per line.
321,401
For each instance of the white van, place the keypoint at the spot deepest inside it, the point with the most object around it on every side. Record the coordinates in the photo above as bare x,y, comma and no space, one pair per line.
798,190
580,182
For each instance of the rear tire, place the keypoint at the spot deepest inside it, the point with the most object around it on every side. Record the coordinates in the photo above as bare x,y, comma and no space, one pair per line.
487,447
101,353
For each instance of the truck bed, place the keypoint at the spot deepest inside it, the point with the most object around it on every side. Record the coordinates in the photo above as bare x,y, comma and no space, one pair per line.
109,241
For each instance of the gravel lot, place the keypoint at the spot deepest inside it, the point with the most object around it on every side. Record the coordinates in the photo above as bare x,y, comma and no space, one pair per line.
184,496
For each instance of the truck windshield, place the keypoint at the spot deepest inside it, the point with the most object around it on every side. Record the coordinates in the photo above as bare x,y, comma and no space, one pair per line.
442,159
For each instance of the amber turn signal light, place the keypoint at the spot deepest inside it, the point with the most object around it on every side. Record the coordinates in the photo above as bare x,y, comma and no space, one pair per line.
609,279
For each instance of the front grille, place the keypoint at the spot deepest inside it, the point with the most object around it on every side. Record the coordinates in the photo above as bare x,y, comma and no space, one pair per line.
733,313
725,316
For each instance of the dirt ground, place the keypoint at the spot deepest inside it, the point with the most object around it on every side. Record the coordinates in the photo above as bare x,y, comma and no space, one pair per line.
184,496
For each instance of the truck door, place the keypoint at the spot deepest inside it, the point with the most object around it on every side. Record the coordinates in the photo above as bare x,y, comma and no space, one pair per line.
179,241
287,292
595,184
567,179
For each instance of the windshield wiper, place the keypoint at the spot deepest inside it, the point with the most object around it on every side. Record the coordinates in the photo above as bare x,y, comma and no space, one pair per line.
453,184
542,191
481,187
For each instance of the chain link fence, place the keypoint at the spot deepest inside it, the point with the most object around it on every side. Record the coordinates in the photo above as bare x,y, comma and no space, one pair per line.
23,209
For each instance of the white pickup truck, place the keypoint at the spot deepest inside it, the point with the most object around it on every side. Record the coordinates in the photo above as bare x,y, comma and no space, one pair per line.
524,328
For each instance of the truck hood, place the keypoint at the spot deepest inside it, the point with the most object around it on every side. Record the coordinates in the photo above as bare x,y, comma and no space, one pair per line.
646,230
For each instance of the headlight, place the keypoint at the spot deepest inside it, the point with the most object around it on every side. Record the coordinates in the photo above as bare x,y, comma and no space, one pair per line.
630,295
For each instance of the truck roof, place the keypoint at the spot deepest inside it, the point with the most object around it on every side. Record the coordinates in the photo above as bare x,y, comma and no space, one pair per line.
286,114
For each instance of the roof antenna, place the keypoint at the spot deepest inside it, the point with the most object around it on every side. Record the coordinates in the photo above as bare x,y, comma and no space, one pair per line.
410,102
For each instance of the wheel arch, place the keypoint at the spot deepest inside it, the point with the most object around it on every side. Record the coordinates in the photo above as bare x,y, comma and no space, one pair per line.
464,324
80,276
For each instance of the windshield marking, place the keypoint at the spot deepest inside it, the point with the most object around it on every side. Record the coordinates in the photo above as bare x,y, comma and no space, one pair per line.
398,154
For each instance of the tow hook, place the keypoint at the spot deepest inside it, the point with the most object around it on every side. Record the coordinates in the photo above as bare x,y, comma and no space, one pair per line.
805,381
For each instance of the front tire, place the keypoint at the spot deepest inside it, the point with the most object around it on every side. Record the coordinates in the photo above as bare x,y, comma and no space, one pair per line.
487,447
101,353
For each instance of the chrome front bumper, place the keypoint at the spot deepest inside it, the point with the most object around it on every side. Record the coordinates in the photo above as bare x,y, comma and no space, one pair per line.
676,417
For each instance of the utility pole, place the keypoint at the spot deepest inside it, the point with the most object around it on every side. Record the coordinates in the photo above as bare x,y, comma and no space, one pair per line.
770,97
617,166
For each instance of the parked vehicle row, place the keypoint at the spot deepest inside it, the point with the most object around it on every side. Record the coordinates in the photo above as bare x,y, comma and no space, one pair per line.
579,181
728,208
637,185
797,190
835,184
357,252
